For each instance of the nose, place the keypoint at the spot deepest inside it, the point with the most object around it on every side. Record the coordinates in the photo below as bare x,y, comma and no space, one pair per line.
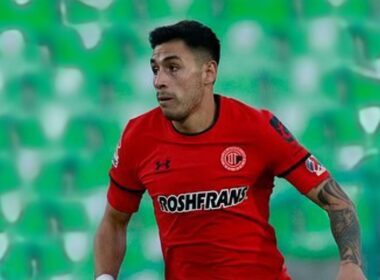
160,80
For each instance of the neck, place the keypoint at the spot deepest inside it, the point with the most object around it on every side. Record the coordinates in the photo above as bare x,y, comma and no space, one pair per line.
201,119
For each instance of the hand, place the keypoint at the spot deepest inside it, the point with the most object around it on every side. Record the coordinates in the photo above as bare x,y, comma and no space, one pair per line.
350,271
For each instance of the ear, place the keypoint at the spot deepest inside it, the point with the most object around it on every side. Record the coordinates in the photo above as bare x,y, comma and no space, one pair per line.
210,70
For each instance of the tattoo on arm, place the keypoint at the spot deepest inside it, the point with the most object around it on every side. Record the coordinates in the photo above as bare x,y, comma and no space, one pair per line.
343,220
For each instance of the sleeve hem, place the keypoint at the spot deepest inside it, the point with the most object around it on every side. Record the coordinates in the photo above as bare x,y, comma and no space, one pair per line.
294,166
324,178
123,201
121,187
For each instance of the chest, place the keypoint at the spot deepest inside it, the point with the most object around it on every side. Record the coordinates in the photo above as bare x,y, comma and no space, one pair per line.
174,168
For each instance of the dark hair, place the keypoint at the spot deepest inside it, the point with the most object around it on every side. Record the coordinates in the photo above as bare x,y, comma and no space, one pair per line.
193,33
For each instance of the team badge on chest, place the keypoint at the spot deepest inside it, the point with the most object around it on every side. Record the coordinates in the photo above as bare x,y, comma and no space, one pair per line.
233,158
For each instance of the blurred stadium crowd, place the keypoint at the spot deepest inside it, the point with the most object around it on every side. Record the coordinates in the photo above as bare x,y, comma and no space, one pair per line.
72,72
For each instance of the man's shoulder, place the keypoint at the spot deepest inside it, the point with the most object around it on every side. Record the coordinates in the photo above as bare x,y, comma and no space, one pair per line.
153,115
148,121
241,108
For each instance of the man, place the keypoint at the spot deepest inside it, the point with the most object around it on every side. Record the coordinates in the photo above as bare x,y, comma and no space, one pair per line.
208,162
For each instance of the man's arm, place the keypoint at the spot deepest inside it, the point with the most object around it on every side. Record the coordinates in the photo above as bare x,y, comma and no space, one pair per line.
110,242
344,226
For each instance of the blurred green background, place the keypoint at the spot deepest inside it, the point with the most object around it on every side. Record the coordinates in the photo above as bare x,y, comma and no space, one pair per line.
73,72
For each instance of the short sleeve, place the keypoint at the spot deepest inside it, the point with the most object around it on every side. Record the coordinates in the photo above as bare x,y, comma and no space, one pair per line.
307,174
125,190
281,149
287,158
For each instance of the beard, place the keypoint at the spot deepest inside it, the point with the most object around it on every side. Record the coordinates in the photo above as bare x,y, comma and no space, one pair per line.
175,115
175,110
179,108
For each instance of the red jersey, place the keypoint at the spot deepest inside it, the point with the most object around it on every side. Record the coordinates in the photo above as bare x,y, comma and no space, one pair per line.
211,190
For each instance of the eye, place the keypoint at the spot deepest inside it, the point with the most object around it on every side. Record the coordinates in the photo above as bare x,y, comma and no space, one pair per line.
173,68
154,70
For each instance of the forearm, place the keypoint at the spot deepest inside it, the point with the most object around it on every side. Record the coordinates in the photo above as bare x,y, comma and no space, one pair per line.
345,228
110,247
343,221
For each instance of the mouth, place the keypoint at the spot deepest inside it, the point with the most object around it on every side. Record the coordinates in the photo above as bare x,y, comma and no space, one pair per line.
163,99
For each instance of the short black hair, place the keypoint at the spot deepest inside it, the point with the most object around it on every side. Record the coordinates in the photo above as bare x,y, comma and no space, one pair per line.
193,33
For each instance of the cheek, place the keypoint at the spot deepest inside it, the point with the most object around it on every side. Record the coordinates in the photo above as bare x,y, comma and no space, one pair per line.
189,88
196,87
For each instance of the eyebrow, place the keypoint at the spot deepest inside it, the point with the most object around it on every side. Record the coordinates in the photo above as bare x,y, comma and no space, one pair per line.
170,57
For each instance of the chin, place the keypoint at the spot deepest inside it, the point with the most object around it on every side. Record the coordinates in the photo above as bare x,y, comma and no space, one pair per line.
173,116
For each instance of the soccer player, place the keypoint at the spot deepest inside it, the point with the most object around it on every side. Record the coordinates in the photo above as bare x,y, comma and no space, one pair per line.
208,162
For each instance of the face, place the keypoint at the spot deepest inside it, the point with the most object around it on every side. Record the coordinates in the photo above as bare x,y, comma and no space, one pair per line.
179,78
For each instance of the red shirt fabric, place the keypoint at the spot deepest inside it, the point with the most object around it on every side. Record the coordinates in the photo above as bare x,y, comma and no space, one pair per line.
211,190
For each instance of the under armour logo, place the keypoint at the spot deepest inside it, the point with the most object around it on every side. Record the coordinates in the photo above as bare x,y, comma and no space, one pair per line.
162,164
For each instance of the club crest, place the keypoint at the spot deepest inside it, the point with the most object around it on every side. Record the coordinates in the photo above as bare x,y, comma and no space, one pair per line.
233,158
